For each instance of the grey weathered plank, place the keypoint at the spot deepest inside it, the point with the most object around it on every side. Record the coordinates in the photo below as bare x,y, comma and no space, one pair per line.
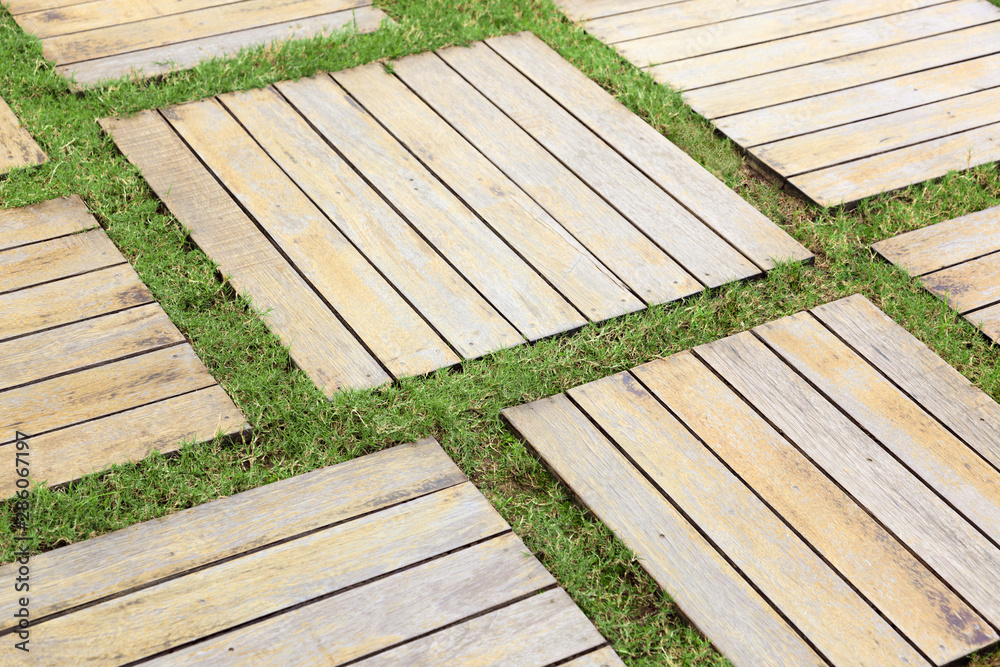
968,286
44,221
602,657
56,258
17,147
702,583
580,10
945,243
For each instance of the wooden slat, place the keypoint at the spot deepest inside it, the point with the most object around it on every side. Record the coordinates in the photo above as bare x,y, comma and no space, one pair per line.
380,614
693,245
953,548
57,258
692,185
883,570
988,319
812,596
70,300
17,147
480,255
515,216
580,10
967,286
946,464
148,552
16,7
44,221
319,344
127,437
539,631
945,243
102,13
702,583
636,260
94,341
448,302
604,657
156,619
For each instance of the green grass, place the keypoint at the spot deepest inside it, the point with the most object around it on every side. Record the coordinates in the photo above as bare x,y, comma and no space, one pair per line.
297,429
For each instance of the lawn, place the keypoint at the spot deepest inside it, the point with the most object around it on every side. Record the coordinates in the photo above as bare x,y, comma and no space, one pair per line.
297,429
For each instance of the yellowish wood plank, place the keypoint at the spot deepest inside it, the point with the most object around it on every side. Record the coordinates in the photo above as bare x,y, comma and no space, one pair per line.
967,286
988,319
44,221
103,13
602,657
24,6
56,258
580,10
945,243
17,147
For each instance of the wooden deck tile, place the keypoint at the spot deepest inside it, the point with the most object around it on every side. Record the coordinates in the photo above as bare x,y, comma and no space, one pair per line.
17,148
843,99
394,223
861,512
91,369
393,558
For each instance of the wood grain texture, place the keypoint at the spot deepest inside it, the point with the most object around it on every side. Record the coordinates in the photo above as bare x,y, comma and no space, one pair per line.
702,583
812,596
17,147
988,320
968,286
57,258
44,221
22,6
603,657
318,342
148,552
382,613
85,16
580,10
692,185
945,243
879,566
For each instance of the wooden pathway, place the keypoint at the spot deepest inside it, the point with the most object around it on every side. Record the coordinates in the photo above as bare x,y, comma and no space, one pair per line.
959,261
394,224
91,368
823,489
17,148
390,559
843,98
107,39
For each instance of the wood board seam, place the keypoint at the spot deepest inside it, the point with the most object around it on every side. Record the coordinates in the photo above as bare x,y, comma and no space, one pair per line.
928,273
70,275
83,319
50,238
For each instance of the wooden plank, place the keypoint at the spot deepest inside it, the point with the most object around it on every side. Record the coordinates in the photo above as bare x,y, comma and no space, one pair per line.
16,7
71,300
18,147
156,619
636,260
967,286
580,10
705,587
506,281
157,32
380,614
68,454
94,341
911,365
853,181
184,55
57,258
103,13
988,320
941,460
944,244
683,236
424,278
318,342
918,603
602,657
538,631
812,596
148,552
672,169
748,61
860,103
952,547
527,227
44,221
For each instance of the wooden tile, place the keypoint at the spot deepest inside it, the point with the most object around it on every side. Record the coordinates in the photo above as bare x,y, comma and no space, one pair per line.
17,147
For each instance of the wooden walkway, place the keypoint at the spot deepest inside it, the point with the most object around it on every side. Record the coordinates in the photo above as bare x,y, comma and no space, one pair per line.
391,559
959,261
843,98
394,224
17,148
91,368
822,489
108,39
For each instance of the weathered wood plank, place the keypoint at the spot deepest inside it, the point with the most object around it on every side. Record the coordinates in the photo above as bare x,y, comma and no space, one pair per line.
17,147
70,300
68,454
883,570
812,596
149,621
988,319
148,552
581,10
44,221
967,286
944,244
102,13
513,288
636,260
16,7
380,614
603,657
436,290
952,547
703,584
318,342
672,169
683,236
57,258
